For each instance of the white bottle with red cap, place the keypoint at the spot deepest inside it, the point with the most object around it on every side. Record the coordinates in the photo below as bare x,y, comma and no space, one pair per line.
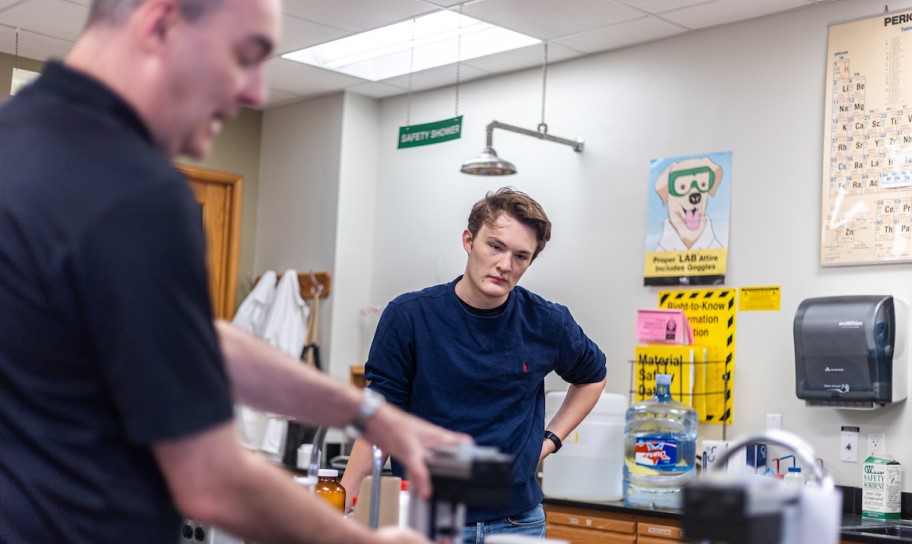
403,504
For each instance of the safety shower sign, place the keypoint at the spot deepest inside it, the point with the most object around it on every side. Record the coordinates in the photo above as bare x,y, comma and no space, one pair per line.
430,133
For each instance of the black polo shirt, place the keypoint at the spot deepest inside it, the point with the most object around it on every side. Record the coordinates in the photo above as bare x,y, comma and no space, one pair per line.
106,337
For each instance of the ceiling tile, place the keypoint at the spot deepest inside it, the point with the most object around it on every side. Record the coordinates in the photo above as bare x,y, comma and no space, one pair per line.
357,15
300,33
278,97
436,77
728,11
33,46
660,6
620,35
289,76
522,58
551,18
66,23
376,89
446,3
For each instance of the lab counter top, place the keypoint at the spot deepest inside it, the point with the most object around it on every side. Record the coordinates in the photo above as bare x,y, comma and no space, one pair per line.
874,531
854,527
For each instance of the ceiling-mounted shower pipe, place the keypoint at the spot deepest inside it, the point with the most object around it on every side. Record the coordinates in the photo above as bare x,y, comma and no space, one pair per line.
489,164
541,134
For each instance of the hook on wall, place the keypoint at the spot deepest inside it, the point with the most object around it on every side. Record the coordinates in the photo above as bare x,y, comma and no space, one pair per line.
312,284
316,287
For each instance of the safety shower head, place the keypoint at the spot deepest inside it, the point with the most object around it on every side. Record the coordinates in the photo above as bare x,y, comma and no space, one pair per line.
488,164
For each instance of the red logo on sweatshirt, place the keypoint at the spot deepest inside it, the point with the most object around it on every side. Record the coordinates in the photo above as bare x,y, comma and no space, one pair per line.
525,367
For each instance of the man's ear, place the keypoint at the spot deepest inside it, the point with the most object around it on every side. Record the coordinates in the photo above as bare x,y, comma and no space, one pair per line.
153,21
467,240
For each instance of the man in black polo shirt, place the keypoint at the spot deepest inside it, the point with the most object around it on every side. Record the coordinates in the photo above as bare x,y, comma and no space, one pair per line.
116,388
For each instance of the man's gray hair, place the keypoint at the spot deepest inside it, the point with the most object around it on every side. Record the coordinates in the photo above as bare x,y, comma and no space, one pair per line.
117,11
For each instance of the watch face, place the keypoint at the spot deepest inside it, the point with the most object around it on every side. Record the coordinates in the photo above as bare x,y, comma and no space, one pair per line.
371,402
352,432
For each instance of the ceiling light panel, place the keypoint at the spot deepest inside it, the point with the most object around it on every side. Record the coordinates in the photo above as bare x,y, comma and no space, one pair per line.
418,44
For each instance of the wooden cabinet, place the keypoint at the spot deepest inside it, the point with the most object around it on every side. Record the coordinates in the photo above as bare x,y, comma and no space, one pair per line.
659,532
356,376
588,536
585,526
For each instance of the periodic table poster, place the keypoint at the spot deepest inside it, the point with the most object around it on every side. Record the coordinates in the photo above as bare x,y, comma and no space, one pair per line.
867,152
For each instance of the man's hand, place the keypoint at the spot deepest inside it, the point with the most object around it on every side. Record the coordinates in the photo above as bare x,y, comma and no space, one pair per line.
264,378
407,438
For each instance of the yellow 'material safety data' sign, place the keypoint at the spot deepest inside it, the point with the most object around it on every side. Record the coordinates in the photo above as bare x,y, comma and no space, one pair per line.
711,313
759,299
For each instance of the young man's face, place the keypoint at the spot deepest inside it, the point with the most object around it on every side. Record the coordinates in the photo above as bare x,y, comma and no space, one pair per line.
498,257
215,66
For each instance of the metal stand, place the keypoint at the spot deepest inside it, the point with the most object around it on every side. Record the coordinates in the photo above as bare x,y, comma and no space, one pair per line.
796,445
316,451
377,470
754,509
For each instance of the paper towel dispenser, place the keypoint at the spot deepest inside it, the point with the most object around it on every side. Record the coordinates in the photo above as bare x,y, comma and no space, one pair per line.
851,351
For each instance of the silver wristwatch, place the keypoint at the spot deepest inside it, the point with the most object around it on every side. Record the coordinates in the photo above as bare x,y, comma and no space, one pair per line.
371,402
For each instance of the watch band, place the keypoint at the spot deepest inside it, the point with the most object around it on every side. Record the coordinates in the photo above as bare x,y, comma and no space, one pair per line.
371,402
553,438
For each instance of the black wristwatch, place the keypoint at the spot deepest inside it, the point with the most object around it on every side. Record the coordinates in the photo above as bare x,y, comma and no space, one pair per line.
553,438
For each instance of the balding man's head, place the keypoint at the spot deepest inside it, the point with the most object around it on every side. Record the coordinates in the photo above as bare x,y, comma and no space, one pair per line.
117,11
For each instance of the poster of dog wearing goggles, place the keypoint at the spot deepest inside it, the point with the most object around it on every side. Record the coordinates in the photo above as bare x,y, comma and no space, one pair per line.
687,234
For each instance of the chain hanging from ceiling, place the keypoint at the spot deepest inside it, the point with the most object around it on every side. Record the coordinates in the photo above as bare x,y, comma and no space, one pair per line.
543,127
408,106
16,57
458,60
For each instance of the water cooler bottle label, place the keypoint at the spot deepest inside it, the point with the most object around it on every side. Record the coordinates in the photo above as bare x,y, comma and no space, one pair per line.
654,451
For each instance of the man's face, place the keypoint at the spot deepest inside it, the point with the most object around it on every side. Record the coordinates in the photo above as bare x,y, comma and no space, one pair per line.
214,67
498,257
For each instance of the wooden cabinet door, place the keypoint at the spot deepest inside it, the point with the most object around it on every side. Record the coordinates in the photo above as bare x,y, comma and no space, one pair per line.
219,195
659,532
585,526
578,535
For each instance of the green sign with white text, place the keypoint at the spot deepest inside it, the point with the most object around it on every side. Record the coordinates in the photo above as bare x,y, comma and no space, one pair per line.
430,133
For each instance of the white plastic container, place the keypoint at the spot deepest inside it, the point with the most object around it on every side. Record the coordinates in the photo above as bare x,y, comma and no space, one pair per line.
881,491
590,465
304,451
403,503
794,477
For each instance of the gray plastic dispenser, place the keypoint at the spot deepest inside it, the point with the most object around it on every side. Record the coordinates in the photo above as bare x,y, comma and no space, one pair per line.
851,351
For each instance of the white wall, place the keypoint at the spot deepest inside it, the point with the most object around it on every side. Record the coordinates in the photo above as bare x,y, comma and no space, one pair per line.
756,89
299,193
358,182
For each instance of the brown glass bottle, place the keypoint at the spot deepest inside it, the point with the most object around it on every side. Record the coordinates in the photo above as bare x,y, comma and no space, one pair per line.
329,489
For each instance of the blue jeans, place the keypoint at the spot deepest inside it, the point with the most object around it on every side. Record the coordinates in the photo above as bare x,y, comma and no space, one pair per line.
530,523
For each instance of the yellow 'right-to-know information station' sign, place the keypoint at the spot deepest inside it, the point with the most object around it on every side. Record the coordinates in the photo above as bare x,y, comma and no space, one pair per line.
711,313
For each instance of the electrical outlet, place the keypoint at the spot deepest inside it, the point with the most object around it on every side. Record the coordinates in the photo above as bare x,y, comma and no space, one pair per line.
876,443
773,421
848,445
